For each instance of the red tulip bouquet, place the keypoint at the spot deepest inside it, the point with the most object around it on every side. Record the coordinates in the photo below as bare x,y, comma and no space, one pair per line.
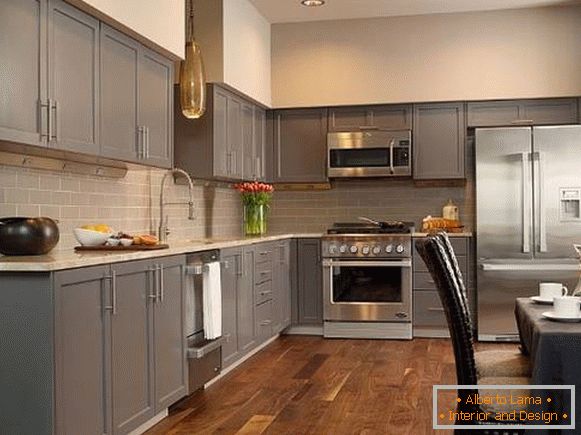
256,198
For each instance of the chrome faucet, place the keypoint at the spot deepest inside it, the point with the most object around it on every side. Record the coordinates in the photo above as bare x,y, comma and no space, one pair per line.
163,229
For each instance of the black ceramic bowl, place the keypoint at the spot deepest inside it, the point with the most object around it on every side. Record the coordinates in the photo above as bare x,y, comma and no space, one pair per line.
27,236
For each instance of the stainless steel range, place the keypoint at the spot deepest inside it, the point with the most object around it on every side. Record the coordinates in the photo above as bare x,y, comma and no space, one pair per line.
367,280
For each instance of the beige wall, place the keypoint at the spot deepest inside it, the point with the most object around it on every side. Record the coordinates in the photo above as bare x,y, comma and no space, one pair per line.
129,204
247,50
466,56
159,21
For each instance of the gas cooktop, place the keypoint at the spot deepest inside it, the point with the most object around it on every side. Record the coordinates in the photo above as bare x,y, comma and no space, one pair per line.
389,227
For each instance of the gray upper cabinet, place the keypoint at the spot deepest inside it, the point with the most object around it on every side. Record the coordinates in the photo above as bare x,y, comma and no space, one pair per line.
300,146
310,282
228,140
23,88
522,112
119,63
131,346
169,333
73,79
81,297
155,109
439,141
370,117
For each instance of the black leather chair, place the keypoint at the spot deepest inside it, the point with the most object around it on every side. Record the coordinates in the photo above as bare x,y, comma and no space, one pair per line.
438,254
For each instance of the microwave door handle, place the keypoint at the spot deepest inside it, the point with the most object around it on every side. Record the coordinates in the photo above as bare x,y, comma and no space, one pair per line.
391,144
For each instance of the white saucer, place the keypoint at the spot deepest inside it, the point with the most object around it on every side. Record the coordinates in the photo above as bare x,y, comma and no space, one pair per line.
540,300
552,316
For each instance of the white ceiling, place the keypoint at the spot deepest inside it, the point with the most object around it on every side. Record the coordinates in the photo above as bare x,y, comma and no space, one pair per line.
283,11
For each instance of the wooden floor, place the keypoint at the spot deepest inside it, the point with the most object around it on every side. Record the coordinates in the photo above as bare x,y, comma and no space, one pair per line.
309,385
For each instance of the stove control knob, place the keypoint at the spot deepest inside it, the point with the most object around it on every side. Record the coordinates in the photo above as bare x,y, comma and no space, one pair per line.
343,249
389,249
376,250
365,250
399,249
332,249
353,249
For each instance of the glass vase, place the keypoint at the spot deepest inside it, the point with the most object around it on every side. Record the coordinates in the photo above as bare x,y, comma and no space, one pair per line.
254,220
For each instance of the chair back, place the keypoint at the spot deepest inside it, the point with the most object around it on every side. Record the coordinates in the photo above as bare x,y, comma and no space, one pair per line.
433,251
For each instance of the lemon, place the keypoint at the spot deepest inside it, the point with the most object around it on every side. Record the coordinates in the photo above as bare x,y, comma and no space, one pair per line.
102,228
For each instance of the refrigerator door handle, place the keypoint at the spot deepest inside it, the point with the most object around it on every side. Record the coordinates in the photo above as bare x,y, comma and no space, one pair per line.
526,206
512,267
539,157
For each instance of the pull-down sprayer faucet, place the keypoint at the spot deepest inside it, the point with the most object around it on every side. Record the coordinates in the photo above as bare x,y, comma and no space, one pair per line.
163,229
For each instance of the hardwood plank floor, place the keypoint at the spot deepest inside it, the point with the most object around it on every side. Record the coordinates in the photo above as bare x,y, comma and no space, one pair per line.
310,385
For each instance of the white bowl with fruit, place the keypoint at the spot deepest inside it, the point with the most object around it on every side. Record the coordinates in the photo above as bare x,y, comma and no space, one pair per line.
93,235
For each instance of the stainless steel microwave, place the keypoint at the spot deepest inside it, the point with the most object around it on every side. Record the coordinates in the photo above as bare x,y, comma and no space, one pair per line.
376,153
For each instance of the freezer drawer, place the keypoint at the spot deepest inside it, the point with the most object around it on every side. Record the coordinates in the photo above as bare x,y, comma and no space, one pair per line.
499,285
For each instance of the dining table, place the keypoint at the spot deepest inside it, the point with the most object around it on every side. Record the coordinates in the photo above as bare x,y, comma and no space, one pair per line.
554,349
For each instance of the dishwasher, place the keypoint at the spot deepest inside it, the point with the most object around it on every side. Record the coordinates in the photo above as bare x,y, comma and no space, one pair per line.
204,356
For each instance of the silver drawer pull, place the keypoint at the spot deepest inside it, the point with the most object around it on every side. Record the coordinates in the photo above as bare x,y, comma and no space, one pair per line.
438,309
263,253
265,322
265,293
265,272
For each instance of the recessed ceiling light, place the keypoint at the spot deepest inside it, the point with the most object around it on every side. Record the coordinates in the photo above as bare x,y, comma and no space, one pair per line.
311,3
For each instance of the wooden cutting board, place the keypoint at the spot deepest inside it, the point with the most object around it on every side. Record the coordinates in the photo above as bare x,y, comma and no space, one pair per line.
121,248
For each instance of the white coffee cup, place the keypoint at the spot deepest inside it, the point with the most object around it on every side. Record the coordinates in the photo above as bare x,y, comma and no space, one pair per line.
567,306
550,290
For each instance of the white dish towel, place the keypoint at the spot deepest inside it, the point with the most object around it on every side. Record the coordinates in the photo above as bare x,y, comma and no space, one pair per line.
212,298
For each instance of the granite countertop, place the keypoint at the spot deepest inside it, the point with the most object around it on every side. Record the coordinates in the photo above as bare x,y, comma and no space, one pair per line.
61,260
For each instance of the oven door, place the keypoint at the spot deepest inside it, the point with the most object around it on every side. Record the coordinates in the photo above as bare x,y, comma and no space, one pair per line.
367,290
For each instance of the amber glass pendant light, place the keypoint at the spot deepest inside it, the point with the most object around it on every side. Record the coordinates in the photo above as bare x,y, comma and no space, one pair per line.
192,75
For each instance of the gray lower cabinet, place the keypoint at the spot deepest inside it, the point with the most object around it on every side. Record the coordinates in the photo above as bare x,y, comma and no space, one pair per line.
281,286
429,319
246,313
300,146
439,141
523,112
117,351
73,79
23,51
370,117
309,282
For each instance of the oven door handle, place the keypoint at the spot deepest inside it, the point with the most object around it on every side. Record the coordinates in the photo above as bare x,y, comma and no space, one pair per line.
388,263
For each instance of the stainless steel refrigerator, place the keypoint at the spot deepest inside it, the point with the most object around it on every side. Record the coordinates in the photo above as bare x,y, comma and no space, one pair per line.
528,190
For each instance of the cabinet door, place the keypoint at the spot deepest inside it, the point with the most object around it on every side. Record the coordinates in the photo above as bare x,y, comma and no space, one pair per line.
119,60
310,282
260,143
281,287
231,273
439,141
492,113
155,114
300,146
170,333
248,152
222,155
81,300
131,345
246,322
23,87
550,111
73,81
391,116
235,137
349,118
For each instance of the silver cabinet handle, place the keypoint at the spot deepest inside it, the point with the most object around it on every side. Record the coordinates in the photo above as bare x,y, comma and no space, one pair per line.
239,265
50,135
542,211
153,295
391,144
48,122
526,206
264,293
140,143
519,267
114,291
56,121
258,170
438,309
228,163
265,322
522,121
146,142
161,284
